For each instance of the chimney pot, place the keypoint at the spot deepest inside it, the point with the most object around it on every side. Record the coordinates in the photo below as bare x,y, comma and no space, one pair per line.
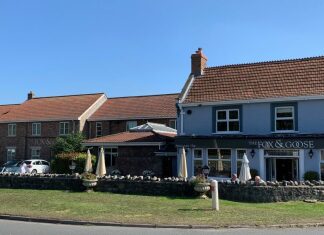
198,62
31,95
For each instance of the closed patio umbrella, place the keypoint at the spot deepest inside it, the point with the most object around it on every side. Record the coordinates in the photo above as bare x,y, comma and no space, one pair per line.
182,170
245,174
101,166
88,165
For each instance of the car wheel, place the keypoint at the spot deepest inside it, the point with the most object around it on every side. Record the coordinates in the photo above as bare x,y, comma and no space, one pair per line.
34,171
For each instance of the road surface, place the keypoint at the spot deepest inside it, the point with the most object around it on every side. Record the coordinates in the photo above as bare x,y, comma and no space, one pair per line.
27,228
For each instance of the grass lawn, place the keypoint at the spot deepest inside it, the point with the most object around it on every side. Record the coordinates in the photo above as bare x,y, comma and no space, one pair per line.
153,210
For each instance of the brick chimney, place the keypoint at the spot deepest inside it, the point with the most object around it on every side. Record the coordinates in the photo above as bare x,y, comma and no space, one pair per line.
30,95
198,62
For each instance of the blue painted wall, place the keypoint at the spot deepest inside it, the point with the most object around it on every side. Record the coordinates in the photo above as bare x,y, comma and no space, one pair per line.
256,118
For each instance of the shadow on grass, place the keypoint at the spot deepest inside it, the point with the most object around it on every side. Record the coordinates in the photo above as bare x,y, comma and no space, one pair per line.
195,209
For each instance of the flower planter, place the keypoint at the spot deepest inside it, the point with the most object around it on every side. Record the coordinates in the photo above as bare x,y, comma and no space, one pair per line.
89,184
202,189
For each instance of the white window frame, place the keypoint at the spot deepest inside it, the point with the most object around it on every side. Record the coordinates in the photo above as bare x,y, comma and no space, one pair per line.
36,129
97,127
11,157
284,118
197,159
227,160
35,156
64,128
12,129
227,120
127,124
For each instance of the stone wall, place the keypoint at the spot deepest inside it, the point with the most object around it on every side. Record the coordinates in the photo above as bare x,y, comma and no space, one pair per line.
166,187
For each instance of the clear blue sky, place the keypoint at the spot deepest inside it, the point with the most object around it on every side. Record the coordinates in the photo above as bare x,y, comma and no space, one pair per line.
139,47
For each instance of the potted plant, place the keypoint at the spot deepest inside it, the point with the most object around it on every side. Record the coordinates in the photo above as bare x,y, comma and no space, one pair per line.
89,180
201,185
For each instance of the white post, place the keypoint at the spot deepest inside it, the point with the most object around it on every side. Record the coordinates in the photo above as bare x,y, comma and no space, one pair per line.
214,191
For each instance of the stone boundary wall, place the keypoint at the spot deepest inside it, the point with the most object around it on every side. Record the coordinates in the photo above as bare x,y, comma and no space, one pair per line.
233,192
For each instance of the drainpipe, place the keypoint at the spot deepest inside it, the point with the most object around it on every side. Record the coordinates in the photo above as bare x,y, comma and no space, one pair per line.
181,120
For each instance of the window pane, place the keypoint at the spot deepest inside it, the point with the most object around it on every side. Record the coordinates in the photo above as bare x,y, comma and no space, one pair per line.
322,171
197,153
197,167
225,153
284,112
283,125
220,168
221,126
240,154
212,153
322,155
233,114
234,126
221,115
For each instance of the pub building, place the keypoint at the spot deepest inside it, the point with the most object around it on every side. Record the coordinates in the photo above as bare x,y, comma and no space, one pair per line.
271,111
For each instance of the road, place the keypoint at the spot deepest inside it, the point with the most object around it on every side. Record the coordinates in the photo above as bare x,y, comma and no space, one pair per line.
28,228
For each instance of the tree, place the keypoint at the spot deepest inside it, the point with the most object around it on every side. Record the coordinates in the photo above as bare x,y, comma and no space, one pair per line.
69,143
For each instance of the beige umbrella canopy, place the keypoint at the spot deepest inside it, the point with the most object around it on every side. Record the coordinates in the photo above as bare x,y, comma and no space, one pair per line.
182,170
101,166
245,174
88,165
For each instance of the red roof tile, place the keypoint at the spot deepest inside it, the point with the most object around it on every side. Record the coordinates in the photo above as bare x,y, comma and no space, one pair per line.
4,109
274,79
137,107
51,108
132,137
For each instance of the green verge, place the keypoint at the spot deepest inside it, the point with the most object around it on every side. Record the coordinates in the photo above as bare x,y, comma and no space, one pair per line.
108,207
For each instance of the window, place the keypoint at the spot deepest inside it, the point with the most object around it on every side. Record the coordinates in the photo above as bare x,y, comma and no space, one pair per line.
173,124
130,124
36,129
284,118
110,156
35,152
228,120
11,154
64,128
197,161
12,128
239,158
219,162
322,165
98,129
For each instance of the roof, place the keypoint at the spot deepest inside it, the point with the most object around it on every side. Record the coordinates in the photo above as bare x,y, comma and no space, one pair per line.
130,137
155,127
264,80
51,108
137,107
4,109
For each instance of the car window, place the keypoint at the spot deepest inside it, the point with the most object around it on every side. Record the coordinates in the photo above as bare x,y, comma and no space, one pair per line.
38,163
45,163
28,162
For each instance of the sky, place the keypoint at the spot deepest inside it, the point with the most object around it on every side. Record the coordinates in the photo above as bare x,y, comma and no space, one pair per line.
143,47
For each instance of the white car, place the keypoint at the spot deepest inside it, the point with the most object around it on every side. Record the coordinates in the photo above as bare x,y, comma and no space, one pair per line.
36,166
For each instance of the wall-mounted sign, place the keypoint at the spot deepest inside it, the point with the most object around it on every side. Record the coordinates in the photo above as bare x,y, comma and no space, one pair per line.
283,144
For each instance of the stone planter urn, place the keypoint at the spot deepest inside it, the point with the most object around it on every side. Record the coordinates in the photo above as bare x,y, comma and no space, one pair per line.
202,189
89,184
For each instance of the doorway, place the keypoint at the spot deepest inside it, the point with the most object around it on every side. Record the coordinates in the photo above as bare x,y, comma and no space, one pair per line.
282,169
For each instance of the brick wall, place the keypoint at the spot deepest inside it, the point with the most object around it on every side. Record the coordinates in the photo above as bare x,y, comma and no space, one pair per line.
24,141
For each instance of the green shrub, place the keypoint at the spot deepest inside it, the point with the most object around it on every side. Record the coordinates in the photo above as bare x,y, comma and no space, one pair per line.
68,144
311,175
254,173
60,163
